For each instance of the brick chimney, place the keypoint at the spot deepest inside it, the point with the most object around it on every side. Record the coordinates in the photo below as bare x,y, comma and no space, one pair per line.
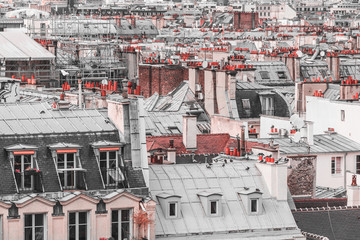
349,91
189,131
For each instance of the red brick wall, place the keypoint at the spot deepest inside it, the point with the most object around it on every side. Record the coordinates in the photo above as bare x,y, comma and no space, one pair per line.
161,78
243,20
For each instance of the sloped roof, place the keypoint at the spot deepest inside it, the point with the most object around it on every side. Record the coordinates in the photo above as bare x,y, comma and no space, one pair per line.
188,180
333,223
39,118
164,113
323,143
19,46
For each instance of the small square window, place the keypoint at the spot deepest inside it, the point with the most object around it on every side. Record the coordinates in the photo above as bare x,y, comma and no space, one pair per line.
172,209
254,207
265,75
281,75
213,207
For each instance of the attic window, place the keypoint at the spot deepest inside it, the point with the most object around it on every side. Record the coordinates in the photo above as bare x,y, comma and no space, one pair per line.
172,209
246,107
265,75
281,75
213,207
174,130
254,205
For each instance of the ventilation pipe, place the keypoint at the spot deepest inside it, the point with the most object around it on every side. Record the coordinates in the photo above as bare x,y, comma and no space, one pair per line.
80,92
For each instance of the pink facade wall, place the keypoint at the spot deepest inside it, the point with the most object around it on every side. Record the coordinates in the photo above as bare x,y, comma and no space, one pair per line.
57,226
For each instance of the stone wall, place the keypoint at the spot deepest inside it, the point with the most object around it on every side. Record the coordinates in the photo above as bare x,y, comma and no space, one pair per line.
302,175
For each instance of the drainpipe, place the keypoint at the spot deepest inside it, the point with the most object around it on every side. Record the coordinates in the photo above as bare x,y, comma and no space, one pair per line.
345,169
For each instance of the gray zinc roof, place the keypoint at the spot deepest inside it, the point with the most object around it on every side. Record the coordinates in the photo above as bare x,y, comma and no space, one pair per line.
39,118
189,180
323,143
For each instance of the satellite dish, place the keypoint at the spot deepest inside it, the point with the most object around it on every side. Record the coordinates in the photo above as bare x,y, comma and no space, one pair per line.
322,53
299,123
294,117
297,137
299,53
205,64
296,121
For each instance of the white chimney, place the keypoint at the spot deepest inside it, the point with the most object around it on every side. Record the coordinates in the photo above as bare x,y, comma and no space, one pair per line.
189,131
310,132
171,152
274,174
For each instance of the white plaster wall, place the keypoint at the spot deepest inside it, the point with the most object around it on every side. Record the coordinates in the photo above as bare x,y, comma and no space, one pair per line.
266,122
325,113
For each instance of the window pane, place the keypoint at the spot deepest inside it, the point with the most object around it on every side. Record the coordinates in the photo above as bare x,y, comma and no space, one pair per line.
125,215
27,181
114,216
70,178
28,220
39,220
114,230
17,162
39,233
72,218
82,217
112,164
213,207
253,205
28,233
72,233
82,232
172,209
60,158
125,231
27,162
103,155
112,155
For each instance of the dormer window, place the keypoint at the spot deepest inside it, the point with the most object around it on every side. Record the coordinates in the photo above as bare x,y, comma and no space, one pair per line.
69,169
252,200
170,205
211,202
25,168
109,158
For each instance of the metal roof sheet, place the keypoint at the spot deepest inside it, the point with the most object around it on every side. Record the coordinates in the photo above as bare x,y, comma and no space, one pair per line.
17,45
189,180
38,118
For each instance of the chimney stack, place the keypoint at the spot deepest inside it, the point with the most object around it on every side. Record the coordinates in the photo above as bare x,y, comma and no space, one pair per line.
189,131
171,152
310,132
353,193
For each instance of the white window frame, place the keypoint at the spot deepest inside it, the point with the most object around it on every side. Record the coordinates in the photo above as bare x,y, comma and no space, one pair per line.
88,226
45,227
176,209
65,169
267,105
22,171
336,165
257,205
131,222
108,177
